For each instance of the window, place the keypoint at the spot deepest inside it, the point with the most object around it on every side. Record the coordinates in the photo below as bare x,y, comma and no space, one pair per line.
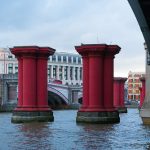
49,58
59,58
65,73
130,91
136,85
130,85
16,69
10,56
54,71
137,92
74,59
76,73
71,75
69,59
60,72
10,65
10,70
64,59
48,71
79,60
80,73
54,58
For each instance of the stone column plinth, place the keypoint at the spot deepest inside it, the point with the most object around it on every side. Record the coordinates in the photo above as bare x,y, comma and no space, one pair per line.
97,84
142,92
32,90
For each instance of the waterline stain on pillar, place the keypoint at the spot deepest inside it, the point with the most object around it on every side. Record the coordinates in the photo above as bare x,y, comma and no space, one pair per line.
32,87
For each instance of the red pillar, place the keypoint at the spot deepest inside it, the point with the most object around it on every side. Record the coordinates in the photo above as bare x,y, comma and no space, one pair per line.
42,96
141,97
20,81
119,94
116,92
96,82
29,82
122,105
142,92
99,84
85,101
108,76
33,100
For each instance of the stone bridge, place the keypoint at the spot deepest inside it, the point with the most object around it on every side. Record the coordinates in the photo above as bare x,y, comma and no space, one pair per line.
58,94
63,94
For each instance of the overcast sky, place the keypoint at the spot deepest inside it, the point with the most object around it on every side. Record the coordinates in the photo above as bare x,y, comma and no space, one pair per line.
62,24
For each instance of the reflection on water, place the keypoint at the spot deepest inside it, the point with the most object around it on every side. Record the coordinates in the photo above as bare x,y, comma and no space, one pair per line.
65,134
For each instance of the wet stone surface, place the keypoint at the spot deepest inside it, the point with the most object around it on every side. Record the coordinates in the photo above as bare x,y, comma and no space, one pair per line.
65,134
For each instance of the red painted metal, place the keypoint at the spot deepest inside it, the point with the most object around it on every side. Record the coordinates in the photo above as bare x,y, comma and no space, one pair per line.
97,76
122,92
32,74
116,91
142,92
119,92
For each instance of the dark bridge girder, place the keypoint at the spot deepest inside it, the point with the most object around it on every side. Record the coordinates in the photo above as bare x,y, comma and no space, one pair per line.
142,13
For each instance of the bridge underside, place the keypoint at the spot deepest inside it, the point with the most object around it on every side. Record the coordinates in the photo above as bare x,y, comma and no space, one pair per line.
142,13
55,101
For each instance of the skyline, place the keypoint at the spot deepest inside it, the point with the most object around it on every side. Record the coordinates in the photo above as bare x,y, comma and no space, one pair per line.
62,25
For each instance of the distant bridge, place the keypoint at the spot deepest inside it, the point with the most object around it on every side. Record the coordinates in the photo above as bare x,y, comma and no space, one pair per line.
58,94
63,94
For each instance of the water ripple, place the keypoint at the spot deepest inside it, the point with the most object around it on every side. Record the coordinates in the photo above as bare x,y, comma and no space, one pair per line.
65,134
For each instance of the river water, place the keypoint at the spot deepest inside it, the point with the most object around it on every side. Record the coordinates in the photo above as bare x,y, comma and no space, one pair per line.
65,134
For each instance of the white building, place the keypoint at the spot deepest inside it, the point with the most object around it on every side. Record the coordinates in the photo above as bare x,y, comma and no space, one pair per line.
8,62
66,67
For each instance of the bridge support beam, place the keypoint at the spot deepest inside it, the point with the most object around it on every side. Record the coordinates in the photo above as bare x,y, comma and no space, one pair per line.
98,84
119,94
32,96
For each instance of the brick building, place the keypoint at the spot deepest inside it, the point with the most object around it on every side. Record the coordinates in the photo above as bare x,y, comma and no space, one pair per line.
133,85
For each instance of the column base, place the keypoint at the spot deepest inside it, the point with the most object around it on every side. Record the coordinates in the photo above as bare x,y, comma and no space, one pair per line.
98,117
32,116
122,110
145,115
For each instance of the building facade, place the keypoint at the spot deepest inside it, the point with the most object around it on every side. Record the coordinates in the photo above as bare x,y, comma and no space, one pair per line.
64,67
133,85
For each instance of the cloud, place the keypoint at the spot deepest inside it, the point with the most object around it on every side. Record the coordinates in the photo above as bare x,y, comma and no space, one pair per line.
66,23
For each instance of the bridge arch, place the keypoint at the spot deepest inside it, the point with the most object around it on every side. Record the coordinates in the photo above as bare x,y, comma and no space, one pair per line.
56,99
